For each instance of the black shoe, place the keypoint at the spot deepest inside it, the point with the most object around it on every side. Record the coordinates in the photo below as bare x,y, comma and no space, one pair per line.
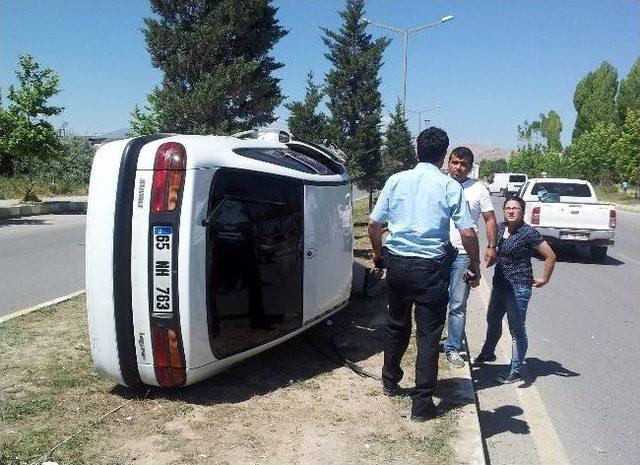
431,413
482,358
396,391
509,378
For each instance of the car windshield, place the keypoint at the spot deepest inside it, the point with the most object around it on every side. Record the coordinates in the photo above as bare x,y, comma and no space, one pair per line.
517,178
562,189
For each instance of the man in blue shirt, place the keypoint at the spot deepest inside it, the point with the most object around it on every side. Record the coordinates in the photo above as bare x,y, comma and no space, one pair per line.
418,205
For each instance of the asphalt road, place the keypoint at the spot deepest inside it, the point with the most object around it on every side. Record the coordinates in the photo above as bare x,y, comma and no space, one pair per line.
584,329
41,258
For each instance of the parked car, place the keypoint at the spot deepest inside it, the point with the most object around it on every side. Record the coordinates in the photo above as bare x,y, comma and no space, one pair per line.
567,211
204,250
506,184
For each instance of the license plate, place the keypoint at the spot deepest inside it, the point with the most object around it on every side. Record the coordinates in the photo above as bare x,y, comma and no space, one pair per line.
575,236
162,251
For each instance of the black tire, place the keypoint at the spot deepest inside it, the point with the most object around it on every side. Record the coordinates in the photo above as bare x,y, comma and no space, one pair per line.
599,253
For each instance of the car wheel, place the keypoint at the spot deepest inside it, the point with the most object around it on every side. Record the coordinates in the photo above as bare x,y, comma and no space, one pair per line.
599,253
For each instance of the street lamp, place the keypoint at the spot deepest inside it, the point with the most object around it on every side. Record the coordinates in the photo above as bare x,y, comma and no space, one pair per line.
420,112
405,33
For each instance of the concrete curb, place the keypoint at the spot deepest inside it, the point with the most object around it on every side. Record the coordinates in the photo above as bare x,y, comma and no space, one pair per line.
42,305
470,448
44,208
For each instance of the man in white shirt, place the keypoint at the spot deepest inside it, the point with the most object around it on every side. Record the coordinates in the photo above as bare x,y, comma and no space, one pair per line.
479,201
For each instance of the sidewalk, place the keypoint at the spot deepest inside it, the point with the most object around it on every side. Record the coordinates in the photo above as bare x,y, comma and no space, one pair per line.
13,208
515,424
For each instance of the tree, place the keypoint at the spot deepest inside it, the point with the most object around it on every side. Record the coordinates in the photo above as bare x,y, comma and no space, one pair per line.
550,129
594,99
400,154
629,94
145,121
27,135
305,122
591,155
216,64
71,169
489,167
353,97
627,148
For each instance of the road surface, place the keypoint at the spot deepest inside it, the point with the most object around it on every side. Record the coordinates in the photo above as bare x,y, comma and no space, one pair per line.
584,329
41,258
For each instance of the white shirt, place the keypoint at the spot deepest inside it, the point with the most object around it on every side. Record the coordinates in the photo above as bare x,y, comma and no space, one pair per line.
479,201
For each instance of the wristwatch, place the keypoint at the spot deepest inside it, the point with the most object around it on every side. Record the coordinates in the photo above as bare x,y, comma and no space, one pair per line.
491,246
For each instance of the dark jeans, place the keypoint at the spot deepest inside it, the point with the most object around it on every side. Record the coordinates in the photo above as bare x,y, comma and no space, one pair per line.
423,282
514,302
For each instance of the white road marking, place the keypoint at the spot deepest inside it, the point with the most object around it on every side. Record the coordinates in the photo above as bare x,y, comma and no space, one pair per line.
42,305
544,435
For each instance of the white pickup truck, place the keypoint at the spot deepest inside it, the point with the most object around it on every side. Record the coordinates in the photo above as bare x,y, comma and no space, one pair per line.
567,211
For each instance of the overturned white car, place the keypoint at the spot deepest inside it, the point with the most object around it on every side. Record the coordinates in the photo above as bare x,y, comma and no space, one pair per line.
204,250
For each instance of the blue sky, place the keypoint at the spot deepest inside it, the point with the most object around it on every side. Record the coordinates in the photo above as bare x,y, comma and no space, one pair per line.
494,65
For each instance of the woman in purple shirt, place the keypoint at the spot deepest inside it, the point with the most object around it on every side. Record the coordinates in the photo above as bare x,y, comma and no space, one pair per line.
512,283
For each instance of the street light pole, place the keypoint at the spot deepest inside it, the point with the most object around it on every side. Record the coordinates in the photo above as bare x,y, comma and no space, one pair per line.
405,33
420,112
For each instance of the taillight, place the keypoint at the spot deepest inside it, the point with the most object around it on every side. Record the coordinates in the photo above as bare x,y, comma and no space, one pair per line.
168,176
612,218
535,215
167,357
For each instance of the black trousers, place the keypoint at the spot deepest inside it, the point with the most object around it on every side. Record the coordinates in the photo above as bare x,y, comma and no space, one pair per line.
423,282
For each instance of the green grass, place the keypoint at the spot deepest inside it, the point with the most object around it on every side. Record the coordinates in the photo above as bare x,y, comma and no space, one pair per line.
16,187
36,405
361,243
614,195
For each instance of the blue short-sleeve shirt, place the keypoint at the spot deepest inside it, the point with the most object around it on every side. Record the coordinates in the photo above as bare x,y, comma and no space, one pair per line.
418,204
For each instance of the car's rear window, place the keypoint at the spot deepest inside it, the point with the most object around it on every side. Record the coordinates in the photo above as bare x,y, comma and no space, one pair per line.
517,178
293,159
562,189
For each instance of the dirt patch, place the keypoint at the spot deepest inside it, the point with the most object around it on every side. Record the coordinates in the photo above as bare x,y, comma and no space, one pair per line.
296,403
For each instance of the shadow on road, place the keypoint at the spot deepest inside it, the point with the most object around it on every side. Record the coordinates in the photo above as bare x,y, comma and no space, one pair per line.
580,254
502,420
537,368
485,376
33,220
22,222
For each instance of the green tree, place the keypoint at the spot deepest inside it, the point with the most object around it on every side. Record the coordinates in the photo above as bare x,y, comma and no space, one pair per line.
145,121
594,99
591,155
28,136
305,122
68,172
629,94
489,167
400,154
550,129
218,74
627,148
353,97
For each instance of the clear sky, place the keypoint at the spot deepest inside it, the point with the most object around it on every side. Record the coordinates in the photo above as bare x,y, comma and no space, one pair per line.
496,64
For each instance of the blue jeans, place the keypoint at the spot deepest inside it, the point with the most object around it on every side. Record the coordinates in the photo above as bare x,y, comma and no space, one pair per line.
514,302
458,295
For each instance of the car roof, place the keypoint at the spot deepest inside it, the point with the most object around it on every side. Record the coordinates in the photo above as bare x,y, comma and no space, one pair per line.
560,180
